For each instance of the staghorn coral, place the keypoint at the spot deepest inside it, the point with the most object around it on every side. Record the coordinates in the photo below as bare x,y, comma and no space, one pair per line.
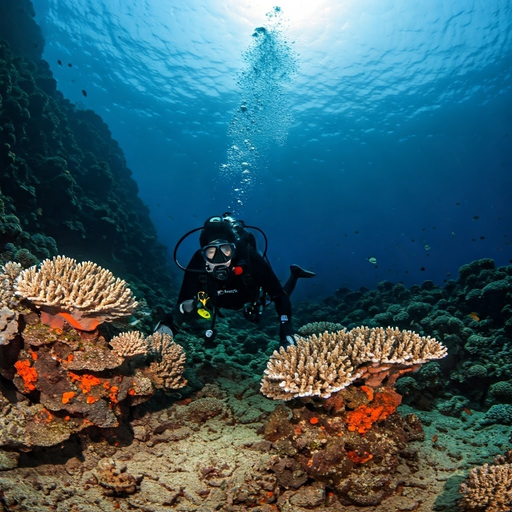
320,365
128,344
488,488
169,361
83,294
318,328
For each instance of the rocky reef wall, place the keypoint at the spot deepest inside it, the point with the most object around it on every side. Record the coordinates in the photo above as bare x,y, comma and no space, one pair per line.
64,183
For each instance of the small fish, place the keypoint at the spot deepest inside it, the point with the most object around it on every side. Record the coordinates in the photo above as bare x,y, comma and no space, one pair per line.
372,260
70,65
476,217
84,93
474,316
39,212
59,62
467,411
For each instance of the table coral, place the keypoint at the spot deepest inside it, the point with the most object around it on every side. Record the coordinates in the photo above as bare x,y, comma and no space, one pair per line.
82,294
321,365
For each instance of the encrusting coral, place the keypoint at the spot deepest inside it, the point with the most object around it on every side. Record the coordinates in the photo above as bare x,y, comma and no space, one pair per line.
8,275
321,365
128,344
82,294
489,488
8,301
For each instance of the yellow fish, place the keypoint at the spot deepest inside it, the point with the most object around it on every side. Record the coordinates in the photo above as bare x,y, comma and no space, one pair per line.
474,316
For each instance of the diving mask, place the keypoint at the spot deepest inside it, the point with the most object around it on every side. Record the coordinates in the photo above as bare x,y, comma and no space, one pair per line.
218,252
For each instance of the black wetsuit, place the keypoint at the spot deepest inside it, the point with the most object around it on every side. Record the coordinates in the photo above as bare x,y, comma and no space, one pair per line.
238,290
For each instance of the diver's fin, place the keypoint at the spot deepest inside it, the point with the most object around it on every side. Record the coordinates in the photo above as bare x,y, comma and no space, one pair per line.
300,272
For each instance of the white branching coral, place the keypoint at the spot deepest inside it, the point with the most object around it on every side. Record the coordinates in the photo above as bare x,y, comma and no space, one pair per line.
488,488
82,290
169,361
390,345
319,327
316,366
320,365
129,344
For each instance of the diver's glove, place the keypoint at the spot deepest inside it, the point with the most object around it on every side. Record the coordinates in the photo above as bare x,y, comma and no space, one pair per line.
166,325
286,332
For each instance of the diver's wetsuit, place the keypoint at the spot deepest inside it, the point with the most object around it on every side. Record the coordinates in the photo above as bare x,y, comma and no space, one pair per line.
238,290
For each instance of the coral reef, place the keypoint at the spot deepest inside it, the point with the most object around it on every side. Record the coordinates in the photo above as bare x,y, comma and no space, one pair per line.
475,325
351,444
66,378
321,365
82,294
346,433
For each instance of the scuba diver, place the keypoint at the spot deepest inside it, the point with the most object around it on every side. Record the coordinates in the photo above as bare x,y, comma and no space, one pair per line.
228,272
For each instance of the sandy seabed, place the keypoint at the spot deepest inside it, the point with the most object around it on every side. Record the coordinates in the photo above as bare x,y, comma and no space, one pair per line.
205,454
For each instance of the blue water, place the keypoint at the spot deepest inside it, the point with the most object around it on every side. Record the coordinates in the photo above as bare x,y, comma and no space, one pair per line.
387,134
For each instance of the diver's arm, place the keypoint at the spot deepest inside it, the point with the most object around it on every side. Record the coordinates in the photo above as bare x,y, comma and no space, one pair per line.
170,323
271,285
